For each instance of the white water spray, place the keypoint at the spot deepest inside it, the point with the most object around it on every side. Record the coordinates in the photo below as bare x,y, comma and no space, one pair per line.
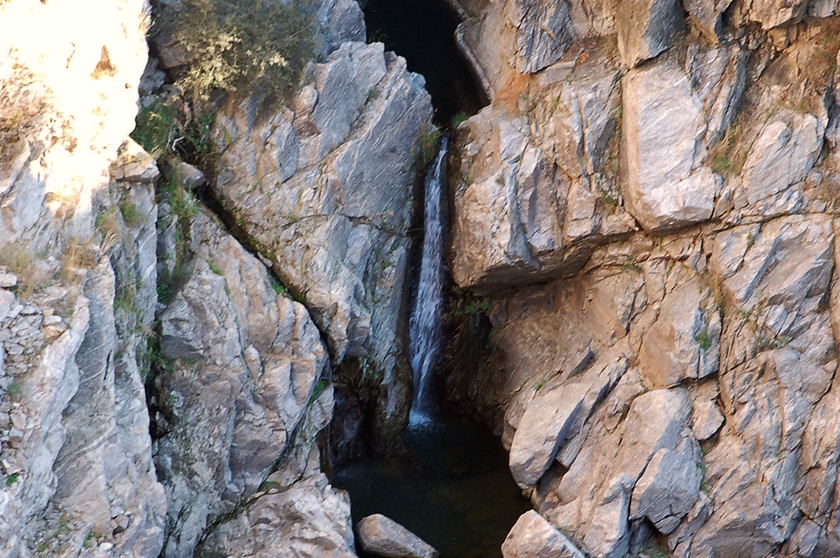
424,326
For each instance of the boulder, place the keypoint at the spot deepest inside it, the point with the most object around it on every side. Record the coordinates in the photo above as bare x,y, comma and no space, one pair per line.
542,430
533,536
320,527
385,537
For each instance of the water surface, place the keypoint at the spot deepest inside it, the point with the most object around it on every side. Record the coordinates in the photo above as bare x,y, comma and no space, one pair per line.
452,488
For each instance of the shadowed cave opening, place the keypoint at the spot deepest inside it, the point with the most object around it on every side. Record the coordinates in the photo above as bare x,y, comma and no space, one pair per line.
423,32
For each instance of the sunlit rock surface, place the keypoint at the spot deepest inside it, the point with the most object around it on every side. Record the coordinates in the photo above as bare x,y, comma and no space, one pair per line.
75,451
665,236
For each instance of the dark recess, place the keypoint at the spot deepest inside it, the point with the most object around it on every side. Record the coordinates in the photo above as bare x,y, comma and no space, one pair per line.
423,32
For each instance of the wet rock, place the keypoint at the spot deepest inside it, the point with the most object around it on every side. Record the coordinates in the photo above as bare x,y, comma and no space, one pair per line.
532,536
382,536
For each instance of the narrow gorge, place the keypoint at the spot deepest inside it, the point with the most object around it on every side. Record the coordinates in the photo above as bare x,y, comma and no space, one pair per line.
530,278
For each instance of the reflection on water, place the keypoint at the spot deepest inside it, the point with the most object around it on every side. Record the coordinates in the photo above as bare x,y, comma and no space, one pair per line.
452,488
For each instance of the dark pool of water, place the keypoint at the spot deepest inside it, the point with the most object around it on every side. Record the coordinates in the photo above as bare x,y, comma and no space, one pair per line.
423,31
452,488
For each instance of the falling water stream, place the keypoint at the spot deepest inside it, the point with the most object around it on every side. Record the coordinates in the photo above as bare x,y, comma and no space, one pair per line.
450,484
424,326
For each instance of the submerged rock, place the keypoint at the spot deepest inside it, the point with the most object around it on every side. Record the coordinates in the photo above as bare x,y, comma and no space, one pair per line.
385,537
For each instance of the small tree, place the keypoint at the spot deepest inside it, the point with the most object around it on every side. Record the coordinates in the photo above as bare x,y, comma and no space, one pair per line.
245,46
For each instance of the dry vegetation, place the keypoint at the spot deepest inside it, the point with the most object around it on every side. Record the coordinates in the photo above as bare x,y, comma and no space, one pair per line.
20,260
252,45
23,106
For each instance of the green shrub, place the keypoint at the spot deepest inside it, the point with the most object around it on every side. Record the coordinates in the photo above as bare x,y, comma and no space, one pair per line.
15,390
428,140
252,45
155,128
458,119
469,305
704,339
132,216
277,286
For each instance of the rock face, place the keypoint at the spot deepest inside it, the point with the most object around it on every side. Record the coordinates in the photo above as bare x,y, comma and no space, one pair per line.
353,131
245,362
77,228
649,205
656,250
237,376
382,536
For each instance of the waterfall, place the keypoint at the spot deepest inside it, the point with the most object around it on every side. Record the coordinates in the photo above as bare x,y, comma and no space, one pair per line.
424,326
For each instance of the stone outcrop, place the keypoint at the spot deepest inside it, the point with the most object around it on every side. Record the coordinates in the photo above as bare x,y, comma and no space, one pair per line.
244,363
646,29
77,228
532,535
382,536
342,247
655,245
